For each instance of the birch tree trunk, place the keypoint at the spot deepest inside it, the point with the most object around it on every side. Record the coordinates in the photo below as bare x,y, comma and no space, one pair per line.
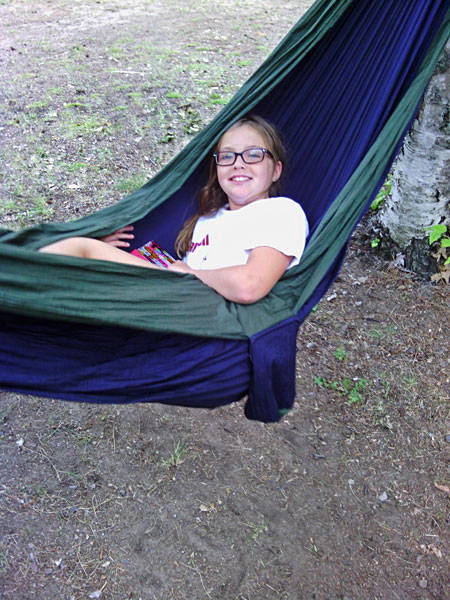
420,192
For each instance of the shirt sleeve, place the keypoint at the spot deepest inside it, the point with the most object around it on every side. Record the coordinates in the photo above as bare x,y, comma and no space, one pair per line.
278,223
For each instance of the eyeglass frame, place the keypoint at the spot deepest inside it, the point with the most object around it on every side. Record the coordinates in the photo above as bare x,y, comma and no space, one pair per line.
241,154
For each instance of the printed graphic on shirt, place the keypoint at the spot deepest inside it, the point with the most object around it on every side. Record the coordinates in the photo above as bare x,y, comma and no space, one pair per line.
195,245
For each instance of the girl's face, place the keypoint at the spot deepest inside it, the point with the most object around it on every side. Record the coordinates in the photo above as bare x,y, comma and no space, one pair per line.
245,183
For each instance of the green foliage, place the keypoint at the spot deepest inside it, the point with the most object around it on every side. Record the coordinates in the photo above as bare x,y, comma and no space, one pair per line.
355,392
436,232
380,198
177,457
258,528
215,98
132,183
173,95
340,354
136,97
352,389
439,235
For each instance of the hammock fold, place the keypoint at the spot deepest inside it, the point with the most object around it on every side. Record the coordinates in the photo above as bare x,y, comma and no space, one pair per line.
343,87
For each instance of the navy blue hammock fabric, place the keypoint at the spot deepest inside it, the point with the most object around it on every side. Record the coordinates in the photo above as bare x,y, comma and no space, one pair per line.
343,87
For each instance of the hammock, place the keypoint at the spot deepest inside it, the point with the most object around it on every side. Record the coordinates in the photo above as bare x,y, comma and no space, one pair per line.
343,87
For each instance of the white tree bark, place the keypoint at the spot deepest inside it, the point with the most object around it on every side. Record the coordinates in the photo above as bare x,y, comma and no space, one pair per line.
420,193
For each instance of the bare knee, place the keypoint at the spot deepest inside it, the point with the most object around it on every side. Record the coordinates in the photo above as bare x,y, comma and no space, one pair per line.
76,246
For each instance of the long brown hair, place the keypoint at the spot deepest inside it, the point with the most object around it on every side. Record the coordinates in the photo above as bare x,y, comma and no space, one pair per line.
212,197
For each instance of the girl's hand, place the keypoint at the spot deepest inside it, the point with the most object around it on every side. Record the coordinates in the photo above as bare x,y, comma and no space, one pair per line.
180,267
119,238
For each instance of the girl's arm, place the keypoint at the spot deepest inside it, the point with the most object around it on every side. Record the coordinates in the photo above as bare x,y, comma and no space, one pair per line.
244,283
95,249
247,283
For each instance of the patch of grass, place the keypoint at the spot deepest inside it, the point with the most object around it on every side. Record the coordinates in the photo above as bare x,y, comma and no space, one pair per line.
40,208
257,529
352,389
244,63
26,76
55,91
178,456
216,98
83,439
77,166
24,209
381,332
123,86
38,105
136,97
132,183
74,125
173,95
39,491
75,105
119,48
46,45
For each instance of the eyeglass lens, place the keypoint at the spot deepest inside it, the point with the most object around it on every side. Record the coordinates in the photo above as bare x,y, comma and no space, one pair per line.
251,155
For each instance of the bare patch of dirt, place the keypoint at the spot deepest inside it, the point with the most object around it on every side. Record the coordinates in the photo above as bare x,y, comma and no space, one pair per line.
348,497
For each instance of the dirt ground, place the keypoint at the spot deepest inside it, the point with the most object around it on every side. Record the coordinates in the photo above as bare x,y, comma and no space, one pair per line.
348,497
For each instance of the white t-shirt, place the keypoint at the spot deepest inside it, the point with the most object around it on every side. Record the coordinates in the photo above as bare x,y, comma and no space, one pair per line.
226,238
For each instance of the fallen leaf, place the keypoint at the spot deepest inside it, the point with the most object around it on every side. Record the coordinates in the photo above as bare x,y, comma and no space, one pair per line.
443,488
435,551
430,549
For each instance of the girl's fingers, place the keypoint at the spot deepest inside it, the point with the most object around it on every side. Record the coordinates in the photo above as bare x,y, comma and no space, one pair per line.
119,237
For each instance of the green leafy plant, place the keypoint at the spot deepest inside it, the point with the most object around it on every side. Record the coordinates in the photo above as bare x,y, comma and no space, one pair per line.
340,353
439,235
380,198
352,389
355,393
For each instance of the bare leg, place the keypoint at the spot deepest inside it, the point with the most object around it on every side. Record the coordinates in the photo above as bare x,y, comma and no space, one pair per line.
91,248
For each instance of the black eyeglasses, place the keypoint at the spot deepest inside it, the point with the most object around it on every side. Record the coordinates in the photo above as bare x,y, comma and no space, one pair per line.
226,158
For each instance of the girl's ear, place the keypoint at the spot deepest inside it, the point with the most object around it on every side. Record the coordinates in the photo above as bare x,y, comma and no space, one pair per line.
277,171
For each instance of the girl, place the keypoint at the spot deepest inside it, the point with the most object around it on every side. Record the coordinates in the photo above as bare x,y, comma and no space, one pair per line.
243,237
